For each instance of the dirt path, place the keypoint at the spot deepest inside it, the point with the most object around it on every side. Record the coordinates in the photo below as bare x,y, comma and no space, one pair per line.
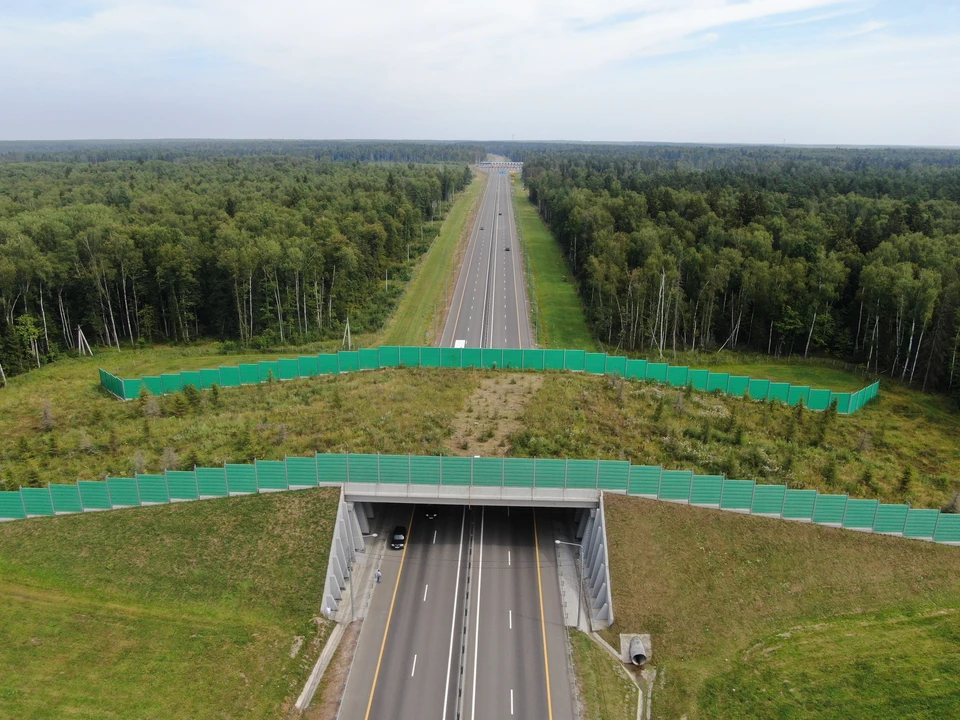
491,414
326,703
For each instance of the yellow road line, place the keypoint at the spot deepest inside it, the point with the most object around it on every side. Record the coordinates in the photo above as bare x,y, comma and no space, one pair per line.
386,631
543,622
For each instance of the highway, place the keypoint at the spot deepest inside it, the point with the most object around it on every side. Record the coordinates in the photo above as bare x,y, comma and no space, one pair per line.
489,306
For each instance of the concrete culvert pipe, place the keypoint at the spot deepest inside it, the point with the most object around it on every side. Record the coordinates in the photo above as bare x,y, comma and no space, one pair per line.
638,653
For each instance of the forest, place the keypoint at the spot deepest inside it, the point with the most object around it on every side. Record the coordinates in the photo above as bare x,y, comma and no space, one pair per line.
851,253
186,242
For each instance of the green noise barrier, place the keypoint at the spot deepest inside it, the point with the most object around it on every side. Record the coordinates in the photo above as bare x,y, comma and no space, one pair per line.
678,376
648,481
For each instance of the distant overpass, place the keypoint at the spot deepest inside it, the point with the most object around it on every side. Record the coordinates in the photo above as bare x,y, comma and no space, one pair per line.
500,165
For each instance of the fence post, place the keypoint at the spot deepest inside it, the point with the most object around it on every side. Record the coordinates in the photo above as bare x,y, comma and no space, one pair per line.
196,481
473,462
845,506
660,484
441,469
936,525
346,457
105,484
379,479
409,470
256,474
23,503
286,470
783,503
50,493
813,513
534,472
597,481
753,496
566,466
167,483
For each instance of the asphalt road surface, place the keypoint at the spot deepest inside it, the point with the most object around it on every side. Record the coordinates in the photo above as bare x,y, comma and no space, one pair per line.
489,307
421,656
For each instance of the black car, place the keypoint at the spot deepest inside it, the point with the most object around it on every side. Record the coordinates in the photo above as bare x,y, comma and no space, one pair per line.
399,537
481,227
499,213
430,512
506,249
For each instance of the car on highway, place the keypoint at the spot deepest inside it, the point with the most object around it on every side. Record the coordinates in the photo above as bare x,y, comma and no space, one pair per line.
499,213
430,512
481,227
399,537
506,249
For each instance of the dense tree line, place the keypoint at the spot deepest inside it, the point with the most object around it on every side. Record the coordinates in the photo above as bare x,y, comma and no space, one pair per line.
260,249
854,253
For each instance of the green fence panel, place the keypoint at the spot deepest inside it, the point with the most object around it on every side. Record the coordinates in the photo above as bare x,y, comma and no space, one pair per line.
707,490
657,372
491,358
799,504
230,376
349,360
488,472
779,392
575,360
332,468
11,505
241,478
948,529
768,499
271,474
456,470
737,494
328,363
843,402
182,485
308,366
153,489
553,360
430,357
123,492
389,356
369,358
891,519
153,383
94,495
595,363
921,523
580,473
717,381
106,381
212,482
425,470
549,473
269,369
818,399
532,359
616,365
829,509
860,514
614,475
289,368
698,379
395,469
676,484
637,369
797,394
209,378
472,358
758,389
518,472
737,385
362,468
512,358
302,471
191,377
409,356
36,501
451,357
645,480
66,498
249,374
678,376
131,388
171,382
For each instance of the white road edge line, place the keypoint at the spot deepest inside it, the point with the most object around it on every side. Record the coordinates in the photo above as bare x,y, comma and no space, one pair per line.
414,670
425,588
453,622
476,638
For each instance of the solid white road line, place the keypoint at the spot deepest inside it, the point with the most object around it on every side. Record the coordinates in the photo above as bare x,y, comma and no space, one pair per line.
510,618
511,701
434,537
414,670
425,587
509,562
453,622
476,637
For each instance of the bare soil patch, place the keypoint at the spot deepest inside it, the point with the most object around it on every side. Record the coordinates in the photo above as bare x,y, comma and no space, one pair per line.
492,414
326,703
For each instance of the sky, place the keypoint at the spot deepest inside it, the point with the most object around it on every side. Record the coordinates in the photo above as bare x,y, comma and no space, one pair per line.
825,72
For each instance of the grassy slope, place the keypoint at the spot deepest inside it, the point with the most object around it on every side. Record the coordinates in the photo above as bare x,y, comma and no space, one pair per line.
562,323
179,611
588,417
606,693
413,318
716,588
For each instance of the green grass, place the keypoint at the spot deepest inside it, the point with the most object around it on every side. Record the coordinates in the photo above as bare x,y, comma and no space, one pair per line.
606,692
178,611
412,321
561,322
716,590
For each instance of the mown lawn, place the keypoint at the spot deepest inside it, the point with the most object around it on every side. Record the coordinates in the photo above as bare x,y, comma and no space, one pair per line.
757,617
178,611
